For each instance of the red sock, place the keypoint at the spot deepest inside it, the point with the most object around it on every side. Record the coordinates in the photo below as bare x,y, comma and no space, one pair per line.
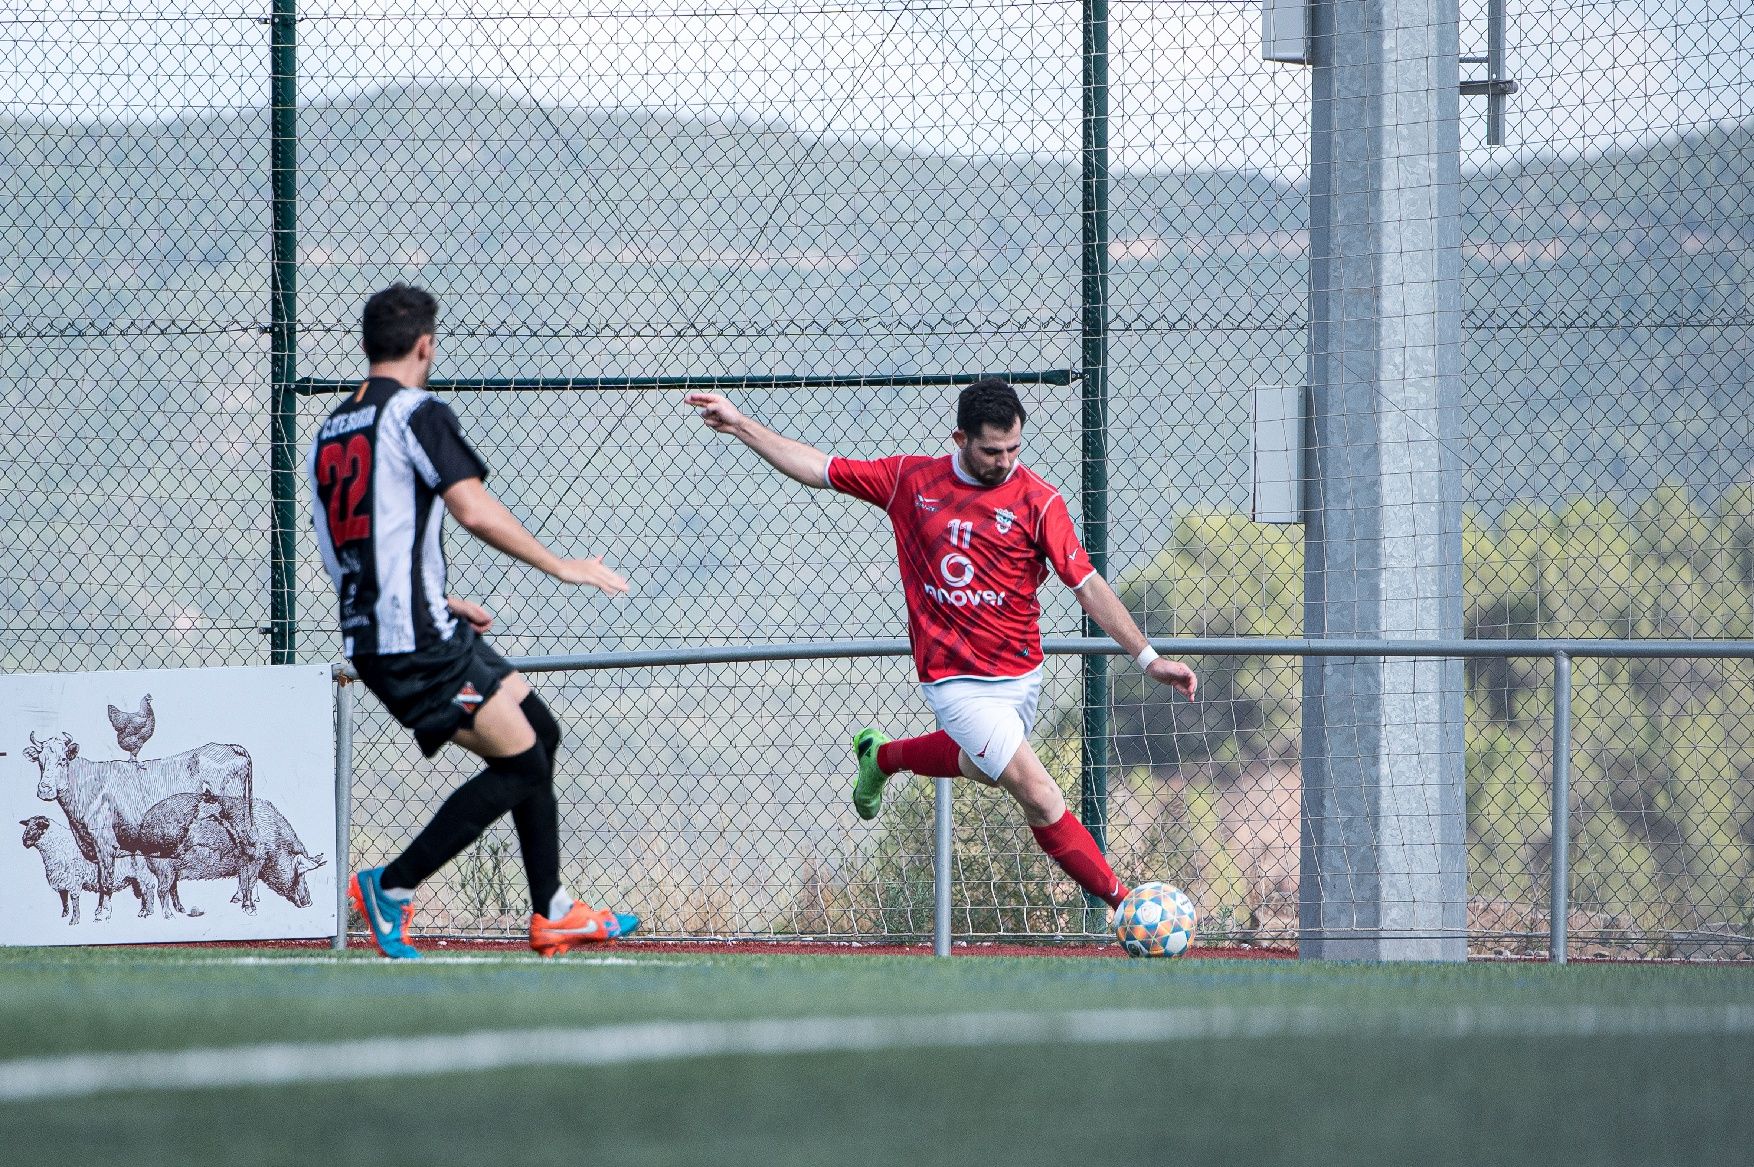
1070,845
934,755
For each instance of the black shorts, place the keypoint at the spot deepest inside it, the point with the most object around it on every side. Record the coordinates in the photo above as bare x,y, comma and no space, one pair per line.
436,691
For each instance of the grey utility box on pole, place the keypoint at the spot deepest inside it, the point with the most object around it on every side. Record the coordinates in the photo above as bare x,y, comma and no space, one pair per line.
1383,857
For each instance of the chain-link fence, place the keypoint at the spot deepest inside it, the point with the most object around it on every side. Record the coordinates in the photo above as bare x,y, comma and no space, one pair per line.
789,197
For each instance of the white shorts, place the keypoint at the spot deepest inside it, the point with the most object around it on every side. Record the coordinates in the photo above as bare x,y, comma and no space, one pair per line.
988,719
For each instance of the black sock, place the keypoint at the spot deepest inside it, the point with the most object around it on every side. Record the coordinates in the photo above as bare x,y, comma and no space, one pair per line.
538,821
470,810
538,816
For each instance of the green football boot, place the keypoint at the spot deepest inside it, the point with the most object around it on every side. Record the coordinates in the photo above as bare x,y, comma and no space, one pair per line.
868,786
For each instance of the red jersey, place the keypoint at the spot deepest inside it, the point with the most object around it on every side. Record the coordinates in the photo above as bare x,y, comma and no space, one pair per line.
971,557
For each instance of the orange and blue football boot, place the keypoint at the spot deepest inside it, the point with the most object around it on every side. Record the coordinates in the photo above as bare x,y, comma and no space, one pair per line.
387,918
581,925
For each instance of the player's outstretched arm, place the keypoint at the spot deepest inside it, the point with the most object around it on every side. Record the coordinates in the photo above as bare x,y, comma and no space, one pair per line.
479,618
794,459
486,518
1104,607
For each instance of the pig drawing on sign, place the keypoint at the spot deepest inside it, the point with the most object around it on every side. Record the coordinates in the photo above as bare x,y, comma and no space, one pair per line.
193,836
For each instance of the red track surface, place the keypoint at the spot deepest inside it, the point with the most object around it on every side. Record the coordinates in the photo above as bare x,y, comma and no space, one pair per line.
848,948
774,947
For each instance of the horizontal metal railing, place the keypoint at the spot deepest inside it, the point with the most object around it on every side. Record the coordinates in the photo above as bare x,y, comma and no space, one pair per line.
1100,646
1560,651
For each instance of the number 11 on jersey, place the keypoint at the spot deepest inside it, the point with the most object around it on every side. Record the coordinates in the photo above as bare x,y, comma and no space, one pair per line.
961,532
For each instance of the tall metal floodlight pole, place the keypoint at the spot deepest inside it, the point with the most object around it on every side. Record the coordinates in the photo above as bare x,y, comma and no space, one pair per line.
1383,859
282,328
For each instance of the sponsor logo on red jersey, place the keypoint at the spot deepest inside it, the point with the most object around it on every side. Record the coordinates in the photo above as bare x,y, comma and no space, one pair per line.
970,584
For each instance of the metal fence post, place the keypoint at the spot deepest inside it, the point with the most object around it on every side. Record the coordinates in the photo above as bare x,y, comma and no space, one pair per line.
343,806
1561,900
941,869
283,331
1093,772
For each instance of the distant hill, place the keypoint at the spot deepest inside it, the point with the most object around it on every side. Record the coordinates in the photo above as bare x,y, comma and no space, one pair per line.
1607,347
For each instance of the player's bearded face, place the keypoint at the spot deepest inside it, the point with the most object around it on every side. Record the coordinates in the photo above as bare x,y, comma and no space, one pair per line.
990,455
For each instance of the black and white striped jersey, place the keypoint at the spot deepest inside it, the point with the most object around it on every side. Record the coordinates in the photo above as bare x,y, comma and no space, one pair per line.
377,468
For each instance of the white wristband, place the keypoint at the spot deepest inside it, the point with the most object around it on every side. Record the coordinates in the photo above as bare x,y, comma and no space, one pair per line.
1145,657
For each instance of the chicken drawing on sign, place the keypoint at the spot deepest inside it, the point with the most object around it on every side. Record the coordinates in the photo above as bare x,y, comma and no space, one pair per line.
133,729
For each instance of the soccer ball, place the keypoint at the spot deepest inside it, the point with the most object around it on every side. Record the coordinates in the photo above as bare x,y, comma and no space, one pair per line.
1155,920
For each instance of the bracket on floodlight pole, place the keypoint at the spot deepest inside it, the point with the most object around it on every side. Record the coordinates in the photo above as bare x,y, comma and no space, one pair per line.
1285,31
1285,38
1496,87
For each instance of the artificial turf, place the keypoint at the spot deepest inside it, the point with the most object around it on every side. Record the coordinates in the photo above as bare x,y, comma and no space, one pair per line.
1362,1092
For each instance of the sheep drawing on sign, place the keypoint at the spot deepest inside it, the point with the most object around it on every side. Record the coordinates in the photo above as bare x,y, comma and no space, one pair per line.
69,872
106,802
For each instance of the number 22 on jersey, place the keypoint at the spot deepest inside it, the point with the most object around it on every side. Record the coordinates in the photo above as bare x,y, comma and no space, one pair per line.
344,469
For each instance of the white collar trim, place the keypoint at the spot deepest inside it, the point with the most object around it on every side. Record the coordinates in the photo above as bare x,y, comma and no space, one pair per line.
967,479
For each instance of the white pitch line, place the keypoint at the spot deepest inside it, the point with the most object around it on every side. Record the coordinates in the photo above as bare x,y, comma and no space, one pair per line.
392,1058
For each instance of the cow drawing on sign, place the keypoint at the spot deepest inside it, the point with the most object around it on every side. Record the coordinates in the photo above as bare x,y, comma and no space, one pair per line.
106,803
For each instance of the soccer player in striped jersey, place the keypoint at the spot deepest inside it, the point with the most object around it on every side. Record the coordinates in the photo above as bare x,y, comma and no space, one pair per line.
386,467
976,532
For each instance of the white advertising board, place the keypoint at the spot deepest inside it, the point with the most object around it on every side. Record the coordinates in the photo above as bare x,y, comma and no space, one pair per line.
203,798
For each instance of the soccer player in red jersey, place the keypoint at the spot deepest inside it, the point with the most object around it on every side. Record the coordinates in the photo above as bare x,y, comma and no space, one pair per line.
976,532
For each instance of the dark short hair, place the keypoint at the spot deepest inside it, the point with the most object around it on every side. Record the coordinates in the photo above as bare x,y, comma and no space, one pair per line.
988,402
395,318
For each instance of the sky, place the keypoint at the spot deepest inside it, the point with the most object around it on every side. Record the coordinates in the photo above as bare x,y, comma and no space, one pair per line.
979,76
